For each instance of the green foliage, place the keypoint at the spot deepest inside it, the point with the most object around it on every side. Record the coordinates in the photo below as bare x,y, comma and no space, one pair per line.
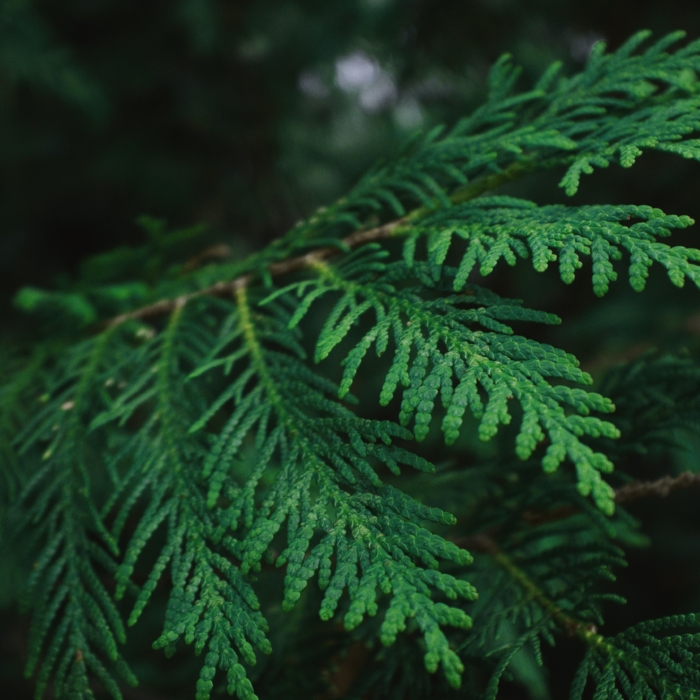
505,228
186,451
621,104
69,598
656,402
559,567
434,346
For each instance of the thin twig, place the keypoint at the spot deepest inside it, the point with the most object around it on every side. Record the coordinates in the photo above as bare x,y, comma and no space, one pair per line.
218,251
661,487
624,494
227,288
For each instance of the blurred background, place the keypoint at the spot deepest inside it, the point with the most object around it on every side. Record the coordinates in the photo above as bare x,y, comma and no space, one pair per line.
245,115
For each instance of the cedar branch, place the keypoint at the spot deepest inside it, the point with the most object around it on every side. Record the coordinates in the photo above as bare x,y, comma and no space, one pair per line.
485,543
227,288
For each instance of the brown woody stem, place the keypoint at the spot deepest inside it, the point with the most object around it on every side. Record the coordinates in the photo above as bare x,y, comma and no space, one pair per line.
624,494
227,288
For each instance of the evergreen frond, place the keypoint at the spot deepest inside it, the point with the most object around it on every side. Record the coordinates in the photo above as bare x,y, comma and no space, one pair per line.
210,603
439,350
76,627
542,581
620,105
505,228
315,467
537,582
314,445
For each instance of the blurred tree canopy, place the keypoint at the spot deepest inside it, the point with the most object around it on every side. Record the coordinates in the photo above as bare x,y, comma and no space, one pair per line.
242,115
246,115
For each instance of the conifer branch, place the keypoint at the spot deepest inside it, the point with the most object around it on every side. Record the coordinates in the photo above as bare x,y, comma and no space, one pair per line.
573,626
539,584
225,288
220,431
639,660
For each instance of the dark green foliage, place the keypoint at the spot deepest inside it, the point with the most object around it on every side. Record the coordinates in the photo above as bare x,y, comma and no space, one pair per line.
644,661
185,452
656,401
556,579
70,600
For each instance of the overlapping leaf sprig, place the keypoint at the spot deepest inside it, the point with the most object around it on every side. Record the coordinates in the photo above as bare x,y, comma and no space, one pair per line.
315,468
653,659
440,346
622,104
311,444
505,228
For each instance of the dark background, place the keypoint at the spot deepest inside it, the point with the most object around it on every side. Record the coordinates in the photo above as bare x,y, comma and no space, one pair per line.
245,115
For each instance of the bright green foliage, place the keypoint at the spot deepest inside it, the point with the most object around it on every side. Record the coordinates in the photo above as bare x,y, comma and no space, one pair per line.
306,444
534,581
193,456
620,105
437,349
375,535
72,305
210,603
505,228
